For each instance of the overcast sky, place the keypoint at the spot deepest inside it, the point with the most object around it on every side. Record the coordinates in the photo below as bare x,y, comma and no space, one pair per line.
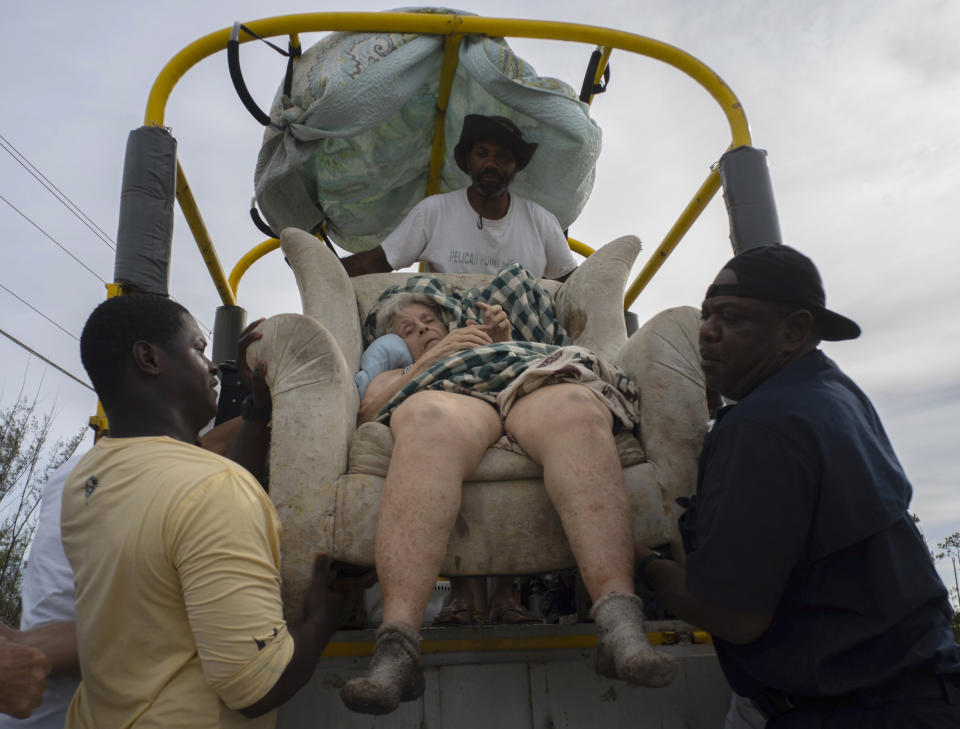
856,101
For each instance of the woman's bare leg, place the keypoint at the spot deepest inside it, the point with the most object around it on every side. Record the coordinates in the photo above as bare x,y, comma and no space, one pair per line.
440,438
569,431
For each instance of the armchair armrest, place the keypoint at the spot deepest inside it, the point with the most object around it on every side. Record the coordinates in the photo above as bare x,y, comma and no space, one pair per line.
663,359
326,291
315,405
590,302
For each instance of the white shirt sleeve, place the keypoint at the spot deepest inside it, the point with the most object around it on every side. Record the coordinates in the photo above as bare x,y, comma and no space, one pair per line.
48,595
405,244
48,590
560,260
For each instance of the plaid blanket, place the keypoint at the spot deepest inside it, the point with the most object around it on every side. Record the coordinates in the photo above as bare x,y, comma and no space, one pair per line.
504,371
530,308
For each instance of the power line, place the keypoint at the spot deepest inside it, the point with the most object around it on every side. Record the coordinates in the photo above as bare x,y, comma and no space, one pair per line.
53,364
55,241
73,208
56,192
203,326
24,301
67,331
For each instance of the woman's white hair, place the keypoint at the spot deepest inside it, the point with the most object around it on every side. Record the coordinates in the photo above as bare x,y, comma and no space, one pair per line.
396,304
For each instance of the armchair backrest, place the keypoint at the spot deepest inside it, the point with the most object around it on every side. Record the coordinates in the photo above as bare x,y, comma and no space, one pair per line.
590,301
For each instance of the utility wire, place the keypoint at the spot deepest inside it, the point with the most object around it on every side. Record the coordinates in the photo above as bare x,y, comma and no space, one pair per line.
56,192
24,301
56,242
35,353
73,208
203,326
67,331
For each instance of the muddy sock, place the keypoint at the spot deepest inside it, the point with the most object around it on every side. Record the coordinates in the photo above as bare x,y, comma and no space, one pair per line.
394,674
623,650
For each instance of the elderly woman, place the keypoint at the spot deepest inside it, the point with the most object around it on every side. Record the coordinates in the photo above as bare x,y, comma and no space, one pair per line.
416,320
440,436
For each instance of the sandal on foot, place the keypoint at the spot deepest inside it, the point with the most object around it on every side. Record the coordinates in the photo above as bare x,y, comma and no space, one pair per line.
512,613
453,615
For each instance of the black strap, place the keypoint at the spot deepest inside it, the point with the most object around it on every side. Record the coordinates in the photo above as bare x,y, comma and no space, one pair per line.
236,74
322,229
589,88
268,231
260,222
294,52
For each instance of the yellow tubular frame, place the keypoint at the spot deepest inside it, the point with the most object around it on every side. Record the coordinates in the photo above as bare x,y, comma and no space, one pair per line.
248,259
485,644
452,25
451,59
582,248
202,237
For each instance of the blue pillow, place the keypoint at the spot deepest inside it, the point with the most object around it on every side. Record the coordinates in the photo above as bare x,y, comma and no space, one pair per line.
388,352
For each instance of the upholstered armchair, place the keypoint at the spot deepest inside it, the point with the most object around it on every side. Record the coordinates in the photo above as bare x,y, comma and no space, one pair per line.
326,474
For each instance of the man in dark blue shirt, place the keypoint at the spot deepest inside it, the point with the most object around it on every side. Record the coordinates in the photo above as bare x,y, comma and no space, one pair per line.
824,603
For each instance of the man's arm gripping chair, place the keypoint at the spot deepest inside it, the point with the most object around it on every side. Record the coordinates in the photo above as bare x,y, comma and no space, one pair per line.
326,475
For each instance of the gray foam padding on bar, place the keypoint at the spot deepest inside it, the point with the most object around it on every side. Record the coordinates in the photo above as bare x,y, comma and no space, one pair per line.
227,327
748,194
145,231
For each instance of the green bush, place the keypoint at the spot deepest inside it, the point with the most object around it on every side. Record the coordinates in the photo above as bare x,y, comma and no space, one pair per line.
27,458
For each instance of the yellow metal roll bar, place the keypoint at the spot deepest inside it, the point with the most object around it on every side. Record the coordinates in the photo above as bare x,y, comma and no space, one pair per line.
454,26
488,644
271,244
582,248
451,59
248,259
202,237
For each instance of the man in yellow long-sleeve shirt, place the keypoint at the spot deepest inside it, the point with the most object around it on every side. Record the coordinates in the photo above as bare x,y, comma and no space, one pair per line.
175,550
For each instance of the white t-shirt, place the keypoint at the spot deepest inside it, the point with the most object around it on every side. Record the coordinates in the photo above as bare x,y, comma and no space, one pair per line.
48,594
442,231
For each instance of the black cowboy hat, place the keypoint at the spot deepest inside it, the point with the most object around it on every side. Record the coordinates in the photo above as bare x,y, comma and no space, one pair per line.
783,274
480,128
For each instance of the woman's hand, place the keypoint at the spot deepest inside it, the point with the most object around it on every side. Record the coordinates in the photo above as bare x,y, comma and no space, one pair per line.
495,322
472,335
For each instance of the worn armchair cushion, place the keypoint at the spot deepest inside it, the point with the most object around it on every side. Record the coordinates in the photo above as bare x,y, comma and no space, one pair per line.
506,527
372,447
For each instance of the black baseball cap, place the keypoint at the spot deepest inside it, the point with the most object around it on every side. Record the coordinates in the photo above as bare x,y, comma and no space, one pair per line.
783,274
480,128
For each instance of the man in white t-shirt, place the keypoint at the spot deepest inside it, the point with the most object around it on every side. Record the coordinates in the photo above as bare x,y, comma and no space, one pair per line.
481,228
